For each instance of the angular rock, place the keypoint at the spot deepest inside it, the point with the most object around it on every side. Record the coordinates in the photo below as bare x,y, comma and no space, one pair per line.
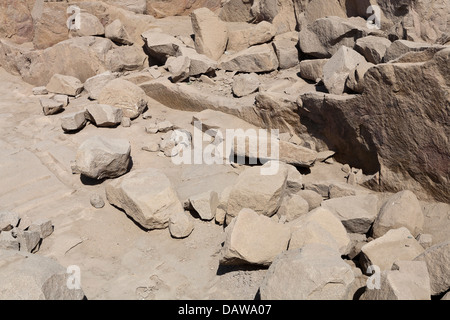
221,211
8,241
124,95
178,68
373,48
180,225
97,201
99,157
243,36
329,222
26,276
281,14
125,58
117,32
287,53
294,182
235,11
126,122
311,232
147,197
337,69
400,210
90,25
199,63
400,47
396,244
245,84
44,227
408,280
254,239
211,34
8,220
205,204
260,58
67,85
292,207
50,106
312,69
28,240
73,121
38,91
160,46
103,115
357,213
313,198
258,192
425,240
315,272
437,259
94,85
355,80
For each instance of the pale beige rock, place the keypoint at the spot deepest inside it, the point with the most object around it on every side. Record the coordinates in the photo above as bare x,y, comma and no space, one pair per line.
311,232
28,240
124,95
99,157
44,227
199,63
253,238
260,58
292,207
73,121
160,46
90,25
26,276
355,80
180,225
437,259
286,52
147,197
315,272
37,91
258,192
401,210
313,198
337,69
67,85
357,213
117,32
8,220
329,222
94,85
396,244
221,211
103,115
400,47
245,84
50,106
205,204
235,11
243,36
8,241
126,58
211,34
408,280
178,68
373,48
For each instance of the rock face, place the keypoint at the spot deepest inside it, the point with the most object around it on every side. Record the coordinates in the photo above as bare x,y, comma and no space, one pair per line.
211,33
337,69
410,152
408,280
260,58
437,259
67,85
357,213
315,272
147,197
254,239
401,210
26,276
125,95
100,158
396,244
261,193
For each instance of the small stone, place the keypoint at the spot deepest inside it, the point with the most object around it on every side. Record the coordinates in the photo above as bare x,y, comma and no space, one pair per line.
205,204
181,225
62,98
97,201
44,227
153,147
165,126
8,241
425,240
50,106
37,91
73,121
8,220
205,79
29,240
126,122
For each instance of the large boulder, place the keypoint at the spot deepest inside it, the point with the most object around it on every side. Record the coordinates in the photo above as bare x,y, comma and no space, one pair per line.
280,13
211,33
314,272
125,95
260,58
205,204
254,239
311,232
312,69
408,280
160,45
400,210
147,196
67,85
408,149
17,21
401,47
256,191
357,213
373,48
94,85
26,276
243,36
396,244
90,25
100,158
437,259
126,58
117,32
